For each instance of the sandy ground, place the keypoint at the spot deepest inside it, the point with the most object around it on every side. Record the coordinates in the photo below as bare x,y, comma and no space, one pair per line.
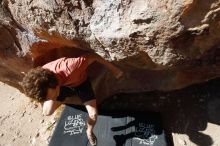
21,121
191,122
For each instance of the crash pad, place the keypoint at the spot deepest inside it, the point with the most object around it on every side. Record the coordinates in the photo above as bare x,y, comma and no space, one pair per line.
113,128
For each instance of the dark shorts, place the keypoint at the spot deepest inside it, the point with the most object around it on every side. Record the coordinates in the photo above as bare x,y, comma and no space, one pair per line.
84,91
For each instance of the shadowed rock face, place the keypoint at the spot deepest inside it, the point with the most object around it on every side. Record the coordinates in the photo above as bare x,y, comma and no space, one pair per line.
160,45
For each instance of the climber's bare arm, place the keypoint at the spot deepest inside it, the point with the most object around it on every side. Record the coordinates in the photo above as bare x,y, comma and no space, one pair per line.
50,106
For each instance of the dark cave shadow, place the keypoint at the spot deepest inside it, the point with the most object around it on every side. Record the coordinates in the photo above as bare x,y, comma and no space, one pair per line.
186,111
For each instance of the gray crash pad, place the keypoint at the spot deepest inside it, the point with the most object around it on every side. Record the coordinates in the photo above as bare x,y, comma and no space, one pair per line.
112,129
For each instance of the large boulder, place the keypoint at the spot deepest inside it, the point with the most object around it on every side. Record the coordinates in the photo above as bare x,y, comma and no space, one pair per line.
160,45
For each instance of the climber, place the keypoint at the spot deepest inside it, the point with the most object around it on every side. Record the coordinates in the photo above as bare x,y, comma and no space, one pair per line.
46,84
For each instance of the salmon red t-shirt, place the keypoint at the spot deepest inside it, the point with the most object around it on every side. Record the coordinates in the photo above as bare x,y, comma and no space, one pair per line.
69,71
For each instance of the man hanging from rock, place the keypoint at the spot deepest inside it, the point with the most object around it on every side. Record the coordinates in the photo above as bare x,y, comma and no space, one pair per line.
47,85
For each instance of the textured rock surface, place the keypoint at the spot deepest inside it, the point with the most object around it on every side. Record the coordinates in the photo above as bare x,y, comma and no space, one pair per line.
161,45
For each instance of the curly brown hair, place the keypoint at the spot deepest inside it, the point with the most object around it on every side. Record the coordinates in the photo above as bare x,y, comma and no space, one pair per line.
37,81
